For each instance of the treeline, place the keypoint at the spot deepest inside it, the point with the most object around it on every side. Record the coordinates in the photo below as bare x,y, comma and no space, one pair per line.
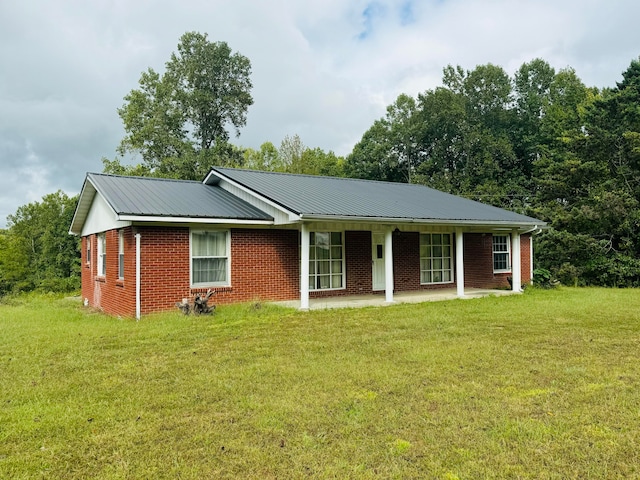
540,143
36,250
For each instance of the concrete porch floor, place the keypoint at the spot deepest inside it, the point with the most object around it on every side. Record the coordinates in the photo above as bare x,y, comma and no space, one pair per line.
354,301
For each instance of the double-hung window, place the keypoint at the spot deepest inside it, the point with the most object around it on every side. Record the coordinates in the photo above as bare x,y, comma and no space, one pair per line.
121,254
436,265
102,254
501,253
326,261
210,257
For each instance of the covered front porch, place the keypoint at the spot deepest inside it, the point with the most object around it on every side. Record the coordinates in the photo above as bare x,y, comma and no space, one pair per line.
382,264
356,301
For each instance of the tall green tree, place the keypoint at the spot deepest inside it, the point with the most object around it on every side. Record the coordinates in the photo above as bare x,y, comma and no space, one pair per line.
266,158
180,122
390,149
37,250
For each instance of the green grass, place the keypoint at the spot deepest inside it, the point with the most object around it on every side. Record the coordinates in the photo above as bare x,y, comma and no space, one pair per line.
541,385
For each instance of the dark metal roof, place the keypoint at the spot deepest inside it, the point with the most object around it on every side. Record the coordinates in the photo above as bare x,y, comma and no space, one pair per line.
157,197
319,196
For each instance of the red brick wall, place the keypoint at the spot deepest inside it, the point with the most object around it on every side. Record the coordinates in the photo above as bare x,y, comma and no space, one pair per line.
525,255
478,262
264,267
109,293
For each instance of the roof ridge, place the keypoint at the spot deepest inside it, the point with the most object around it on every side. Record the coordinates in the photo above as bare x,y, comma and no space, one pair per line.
139,177
329,177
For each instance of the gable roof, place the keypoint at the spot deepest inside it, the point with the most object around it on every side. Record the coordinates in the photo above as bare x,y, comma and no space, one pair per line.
137,198
346,198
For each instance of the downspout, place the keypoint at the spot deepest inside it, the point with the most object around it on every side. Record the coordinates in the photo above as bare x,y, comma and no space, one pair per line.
137,276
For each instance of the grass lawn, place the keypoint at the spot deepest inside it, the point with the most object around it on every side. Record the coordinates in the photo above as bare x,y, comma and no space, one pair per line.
540,385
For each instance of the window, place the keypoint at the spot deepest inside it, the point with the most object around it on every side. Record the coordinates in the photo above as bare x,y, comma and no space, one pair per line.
89,240
501,253
210,257
326,261
121,254
435,258
102,254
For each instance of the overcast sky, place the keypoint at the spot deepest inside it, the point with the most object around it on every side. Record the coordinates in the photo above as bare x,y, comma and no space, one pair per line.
322,69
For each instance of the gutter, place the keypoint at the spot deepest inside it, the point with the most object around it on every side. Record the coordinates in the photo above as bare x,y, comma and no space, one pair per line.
486,223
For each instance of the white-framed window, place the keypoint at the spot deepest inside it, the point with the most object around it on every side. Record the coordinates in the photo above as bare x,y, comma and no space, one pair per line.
89,239
436,265
210,257
326,261
120,254
501,253
102,254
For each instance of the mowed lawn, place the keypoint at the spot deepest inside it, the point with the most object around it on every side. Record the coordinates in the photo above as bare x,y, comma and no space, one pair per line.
540,385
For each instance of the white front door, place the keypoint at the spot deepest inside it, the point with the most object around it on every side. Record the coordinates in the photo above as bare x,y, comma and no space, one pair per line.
377,257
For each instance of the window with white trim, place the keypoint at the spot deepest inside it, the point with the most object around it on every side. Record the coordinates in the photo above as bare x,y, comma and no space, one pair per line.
436,265
326,261
501,253
102,254
120,254
210,257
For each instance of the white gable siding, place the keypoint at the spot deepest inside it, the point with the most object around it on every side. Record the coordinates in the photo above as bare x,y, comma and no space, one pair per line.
279,214
101,218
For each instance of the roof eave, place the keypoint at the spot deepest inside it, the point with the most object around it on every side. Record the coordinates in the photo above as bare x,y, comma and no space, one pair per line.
85,199
207,220
426,221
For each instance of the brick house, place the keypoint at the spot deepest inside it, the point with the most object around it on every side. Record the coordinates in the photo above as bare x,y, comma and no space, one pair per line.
263,236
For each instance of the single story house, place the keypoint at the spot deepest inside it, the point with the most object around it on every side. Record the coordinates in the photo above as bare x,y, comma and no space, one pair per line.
147,243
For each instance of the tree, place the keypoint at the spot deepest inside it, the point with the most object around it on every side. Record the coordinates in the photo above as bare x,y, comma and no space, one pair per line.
267,158
589,178
390,149
290,154
179,121
37,250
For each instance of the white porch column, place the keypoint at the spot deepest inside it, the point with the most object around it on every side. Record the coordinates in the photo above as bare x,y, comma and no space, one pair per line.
304,267
459,262
388,266
138,273
516,262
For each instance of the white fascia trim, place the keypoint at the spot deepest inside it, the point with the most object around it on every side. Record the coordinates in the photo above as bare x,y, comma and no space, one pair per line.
234,221
293,216
508,226
85,199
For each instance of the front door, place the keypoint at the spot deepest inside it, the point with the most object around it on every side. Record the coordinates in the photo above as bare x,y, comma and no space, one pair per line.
377,256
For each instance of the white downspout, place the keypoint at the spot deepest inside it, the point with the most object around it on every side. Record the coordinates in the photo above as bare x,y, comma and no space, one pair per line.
137,276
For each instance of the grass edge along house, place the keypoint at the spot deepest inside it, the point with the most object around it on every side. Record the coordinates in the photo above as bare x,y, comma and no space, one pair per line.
264,236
